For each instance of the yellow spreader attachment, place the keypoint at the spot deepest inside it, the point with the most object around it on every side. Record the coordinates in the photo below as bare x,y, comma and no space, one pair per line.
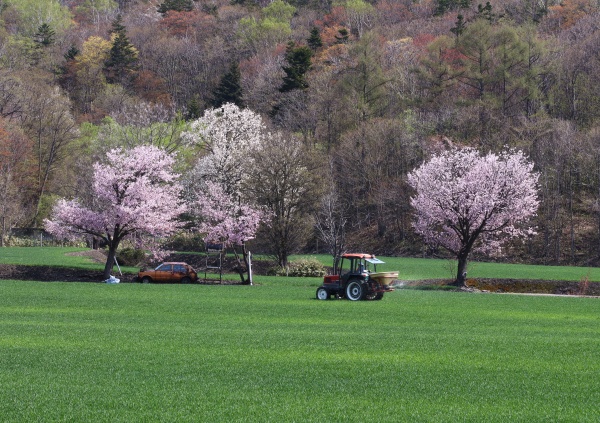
384,278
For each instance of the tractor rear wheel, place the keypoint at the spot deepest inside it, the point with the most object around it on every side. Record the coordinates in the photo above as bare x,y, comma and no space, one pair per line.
355,291
322,294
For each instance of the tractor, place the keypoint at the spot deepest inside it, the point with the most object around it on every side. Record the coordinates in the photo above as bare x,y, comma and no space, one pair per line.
356,281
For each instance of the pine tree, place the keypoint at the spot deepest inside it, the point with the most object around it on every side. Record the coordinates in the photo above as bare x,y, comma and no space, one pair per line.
460,26
176,5
485,12
314,40
194,111
71,53
343,36
121,64
298,63
44,36
229,89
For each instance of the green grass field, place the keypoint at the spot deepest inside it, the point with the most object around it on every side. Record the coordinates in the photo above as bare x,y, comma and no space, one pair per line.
188,353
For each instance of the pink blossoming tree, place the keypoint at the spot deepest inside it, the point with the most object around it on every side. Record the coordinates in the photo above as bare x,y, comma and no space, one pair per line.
466,202
135,193
225,220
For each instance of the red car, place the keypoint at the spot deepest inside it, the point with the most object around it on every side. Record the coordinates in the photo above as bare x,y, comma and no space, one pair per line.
169,272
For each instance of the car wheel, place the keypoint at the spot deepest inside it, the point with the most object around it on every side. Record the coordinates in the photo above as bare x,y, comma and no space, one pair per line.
186,280
146,279
355,291
322,294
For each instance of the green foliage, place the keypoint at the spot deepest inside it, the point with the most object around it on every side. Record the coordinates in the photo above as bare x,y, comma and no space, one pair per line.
206,353
32,13
279,11
92,8
271,28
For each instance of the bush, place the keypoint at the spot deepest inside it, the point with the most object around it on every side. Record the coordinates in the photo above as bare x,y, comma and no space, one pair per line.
130,256
185,242
309,267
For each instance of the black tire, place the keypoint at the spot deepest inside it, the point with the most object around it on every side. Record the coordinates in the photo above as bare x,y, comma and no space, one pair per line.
322,294
374,292
186,280
146,279
355,291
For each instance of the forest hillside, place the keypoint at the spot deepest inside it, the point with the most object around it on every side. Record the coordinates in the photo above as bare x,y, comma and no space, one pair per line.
361,93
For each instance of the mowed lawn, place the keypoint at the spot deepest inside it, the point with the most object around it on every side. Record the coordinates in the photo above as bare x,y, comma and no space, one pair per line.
85,352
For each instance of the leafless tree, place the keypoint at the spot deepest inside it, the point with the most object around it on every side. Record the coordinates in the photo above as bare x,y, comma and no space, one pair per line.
286,181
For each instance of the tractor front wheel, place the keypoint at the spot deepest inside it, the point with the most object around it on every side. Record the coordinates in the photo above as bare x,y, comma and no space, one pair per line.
322,294
355,291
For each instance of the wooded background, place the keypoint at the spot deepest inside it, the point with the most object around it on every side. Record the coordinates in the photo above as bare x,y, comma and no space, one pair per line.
370,89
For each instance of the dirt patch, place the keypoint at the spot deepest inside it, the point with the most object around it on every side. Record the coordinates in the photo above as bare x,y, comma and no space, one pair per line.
49,274
98,256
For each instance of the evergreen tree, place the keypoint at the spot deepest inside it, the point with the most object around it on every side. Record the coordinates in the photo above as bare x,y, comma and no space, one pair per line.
44,36
229,89
485,12
298,63
122,61
342,36
194,111
460,26
176,5
444,6
314,40
71,53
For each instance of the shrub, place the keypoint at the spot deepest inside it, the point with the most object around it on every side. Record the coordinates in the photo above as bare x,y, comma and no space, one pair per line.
130,256
309,267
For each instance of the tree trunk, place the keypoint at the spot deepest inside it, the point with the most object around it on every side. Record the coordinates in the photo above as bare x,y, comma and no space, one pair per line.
242,268
110,260
461,274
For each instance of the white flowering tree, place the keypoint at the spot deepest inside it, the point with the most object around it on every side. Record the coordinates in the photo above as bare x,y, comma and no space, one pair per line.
227,134
465,201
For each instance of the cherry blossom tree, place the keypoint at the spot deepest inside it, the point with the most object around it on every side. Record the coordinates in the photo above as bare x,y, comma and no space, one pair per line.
225,220
465,201
135,193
